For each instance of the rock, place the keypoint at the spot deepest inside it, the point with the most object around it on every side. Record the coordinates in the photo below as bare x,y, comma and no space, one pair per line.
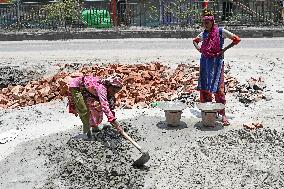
268,98
3,100
31,93
258,87
143,84
17,89
244,90
45,91
252,82
5,90
258,98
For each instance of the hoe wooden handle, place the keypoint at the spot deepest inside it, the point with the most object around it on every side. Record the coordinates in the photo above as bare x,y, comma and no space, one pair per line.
131,140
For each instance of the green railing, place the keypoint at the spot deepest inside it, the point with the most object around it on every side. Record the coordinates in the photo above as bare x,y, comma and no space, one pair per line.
152,13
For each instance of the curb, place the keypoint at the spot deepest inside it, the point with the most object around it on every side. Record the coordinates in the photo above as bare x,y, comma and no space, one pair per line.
110,34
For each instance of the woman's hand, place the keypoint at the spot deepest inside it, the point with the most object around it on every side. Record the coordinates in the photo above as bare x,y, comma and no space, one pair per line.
196,46
117,126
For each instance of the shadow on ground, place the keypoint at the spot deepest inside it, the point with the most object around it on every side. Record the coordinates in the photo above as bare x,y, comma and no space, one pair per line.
164,125
201,127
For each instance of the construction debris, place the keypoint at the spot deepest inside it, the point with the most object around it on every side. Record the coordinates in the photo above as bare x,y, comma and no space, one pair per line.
143,84
252,126
236,158
252,91
101,163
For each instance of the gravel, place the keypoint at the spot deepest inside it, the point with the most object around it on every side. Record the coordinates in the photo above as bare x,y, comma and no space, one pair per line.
104,162
235,159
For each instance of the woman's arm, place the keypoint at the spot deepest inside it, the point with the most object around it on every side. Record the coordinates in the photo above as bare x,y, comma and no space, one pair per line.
197,40
235,39
195,43
229,46
102,94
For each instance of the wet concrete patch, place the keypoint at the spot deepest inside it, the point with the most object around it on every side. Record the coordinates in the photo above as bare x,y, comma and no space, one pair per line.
16,75
233,159
104,162
64,160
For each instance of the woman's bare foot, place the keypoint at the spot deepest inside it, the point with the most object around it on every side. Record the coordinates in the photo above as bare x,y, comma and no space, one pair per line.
225,121
95,129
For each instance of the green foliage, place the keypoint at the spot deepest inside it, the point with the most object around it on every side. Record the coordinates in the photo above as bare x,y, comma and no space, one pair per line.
63,11
152,14
182,11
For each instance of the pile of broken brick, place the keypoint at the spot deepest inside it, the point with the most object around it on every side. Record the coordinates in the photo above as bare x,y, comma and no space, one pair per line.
143,84
253,126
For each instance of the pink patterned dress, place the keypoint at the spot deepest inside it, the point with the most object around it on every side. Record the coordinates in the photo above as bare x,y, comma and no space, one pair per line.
97,102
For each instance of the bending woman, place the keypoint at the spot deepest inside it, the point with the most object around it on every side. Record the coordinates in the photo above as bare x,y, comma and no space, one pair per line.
90,97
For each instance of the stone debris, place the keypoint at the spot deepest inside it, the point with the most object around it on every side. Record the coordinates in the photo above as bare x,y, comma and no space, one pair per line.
253,126
252,91
234,159
19,76
102,163
143,84
9,135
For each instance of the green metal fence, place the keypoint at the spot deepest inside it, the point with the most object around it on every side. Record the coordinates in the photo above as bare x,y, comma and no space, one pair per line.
252,12
227,12
38,16
151,13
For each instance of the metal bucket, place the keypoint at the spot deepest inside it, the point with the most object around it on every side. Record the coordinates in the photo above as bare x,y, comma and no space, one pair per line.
209,118
173,117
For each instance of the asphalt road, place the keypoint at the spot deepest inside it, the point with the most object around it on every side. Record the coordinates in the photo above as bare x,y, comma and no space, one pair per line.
119,44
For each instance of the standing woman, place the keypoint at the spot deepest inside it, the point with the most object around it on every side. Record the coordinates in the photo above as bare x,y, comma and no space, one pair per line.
211,78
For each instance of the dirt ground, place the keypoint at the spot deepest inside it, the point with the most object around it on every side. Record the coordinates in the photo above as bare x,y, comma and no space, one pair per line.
42,147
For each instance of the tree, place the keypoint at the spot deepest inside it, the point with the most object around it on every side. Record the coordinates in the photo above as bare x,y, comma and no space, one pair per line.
180,12
63,13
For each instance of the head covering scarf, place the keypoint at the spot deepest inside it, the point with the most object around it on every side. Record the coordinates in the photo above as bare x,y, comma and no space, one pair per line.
114,80
211,45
